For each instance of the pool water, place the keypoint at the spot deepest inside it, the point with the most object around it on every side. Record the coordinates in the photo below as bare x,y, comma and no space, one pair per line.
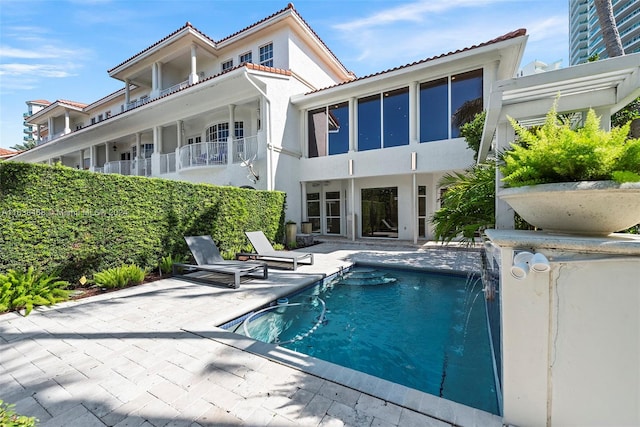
426,331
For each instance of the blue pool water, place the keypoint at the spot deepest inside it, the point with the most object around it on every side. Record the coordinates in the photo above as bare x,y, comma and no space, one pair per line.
423,330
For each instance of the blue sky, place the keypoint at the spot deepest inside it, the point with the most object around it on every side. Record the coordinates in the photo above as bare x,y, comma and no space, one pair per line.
62,49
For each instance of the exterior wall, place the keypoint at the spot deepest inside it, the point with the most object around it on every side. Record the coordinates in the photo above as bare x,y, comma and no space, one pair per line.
305,62
571,336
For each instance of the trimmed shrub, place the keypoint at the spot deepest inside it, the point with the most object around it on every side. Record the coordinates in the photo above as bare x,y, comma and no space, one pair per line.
9,418
76,222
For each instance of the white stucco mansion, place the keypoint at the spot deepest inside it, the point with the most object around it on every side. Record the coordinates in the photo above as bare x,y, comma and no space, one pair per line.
272,107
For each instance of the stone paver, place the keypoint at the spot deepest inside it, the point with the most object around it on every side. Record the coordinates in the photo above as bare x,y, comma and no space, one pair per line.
153,356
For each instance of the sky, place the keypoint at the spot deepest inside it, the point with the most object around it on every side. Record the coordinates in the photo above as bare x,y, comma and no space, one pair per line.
62,49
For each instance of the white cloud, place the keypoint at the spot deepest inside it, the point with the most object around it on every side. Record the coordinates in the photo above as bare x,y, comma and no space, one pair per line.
411,12
40,70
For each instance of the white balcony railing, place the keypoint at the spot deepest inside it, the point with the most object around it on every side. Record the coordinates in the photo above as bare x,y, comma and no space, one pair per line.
245,148
98,169
122,167
141,167
203,154
167,163
174,88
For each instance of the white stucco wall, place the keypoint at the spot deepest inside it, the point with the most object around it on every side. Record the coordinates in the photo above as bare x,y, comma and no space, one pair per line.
571,336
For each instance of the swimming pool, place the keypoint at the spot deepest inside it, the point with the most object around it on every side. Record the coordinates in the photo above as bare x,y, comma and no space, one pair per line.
427,331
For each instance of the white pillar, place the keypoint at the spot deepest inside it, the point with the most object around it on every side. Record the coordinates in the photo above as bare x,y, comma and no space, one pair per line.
413,113
353,125
139,157
127,94
154,80
179,125
193,76
39,131
504,212
232,134
67,128
50,128
82,158
106,152
92,158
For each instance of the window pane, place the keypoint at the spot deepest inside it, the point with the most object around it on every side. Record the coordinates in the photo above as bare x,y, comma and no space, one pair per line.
466,92
332,195
313,208
434,113
339,128
313,196
333,225
318,132
396,117
369,123
333,208
380,212
266,55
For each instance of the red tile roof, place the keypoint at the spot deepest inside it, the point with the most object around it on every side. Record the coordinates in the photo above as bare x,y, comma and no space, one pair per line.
188,25
8,153
511,35
72,103
40,101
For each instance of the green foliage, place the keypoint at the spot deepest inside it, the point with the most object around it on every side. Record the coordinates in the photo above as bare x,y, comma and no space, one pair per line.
9,418
166,262
77,222
28,289
468,204
556,153
472,132
628,113
119,277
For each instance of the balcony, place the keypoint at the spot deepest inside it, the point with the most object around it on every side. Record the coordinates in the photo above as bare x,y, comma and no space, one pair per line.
245,148
203,154
174,88
122,167
167,163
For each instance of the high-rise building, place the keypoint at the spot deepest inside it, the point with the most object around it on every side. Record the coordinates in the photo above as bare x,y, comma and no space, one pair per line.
585,37
30,131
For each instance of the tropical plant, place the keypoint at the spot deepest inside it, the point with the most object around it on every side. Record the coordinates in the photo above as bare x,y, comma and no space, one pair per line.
472,132
467,205
28,289
27,145
9,418
555,152
166,263
119,277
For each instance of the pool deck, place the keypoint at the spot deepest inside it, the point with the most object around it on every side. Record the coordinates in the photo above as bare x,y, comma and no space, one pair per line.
152,355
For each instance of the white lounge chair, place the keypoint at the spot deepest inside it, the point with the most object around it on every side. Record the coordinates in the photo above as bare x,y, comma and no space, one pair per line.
265,251
208,258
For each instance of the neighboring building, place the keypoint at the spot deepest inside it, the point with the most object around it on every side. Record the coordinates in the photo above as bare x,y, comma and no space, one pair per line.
585,37
31,133
535,67
272,107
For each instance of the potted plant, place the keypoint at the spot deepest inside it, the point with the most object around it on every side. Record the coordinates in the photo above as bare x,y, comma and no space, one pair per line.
584,180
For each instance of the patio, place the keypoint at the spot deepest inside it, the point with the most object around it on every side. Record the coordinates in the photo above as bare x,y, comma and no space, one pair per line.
152,356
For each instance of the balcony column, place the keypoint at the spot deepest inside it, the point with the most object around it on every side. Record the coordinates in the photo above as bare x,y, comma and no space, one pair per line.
157,149
232,134
193,76
92,158
67,128
38,134
413,113
106,152
156,79
179,126
139,157
127,94
50,130
353,123
82,152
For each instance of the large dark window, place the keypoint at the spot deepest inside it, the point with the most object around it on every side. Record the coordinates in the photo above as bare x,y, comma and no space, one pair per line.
369,123
339,128
329,130
396,117
434,110
318,132
466,100
380,212
466,93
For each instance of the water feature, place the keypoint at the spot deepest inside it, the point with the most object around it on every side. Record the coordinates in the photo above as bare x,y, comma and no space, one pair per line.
422,330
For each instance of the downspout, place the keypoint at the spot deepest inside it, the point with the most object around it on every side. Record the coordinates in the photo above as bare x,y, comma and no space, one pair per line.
267,124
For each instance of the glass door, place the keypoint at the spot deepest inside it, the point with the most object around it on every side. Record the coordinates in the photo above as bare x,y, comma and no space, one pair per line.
332,211
422,211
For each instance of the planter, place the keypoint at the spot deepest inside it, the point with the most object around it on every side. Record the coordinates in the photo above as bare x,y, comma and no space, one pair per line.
587,207
306,227
290,230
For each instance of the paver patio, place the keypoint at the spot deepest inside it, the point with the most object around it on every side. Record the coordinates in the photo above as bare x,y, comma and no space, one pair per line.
152,356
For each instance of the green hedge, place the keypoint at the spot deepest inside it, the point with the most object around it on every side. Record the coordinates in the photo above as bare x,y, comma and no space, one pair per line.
74,222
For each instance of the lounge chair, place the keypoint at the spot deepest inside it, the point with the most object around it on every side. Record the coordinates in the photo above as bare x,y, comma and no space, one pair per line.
208,258
264,251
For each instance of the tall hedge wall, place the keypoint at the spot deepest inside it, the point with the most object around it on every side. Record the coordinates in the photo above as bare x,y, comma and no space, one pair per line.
74,222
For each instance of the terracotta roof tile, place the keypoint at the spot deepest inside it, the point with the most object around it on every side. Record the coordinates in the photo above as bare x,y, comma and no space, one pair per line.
72,103
8,153
508,36
40,101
